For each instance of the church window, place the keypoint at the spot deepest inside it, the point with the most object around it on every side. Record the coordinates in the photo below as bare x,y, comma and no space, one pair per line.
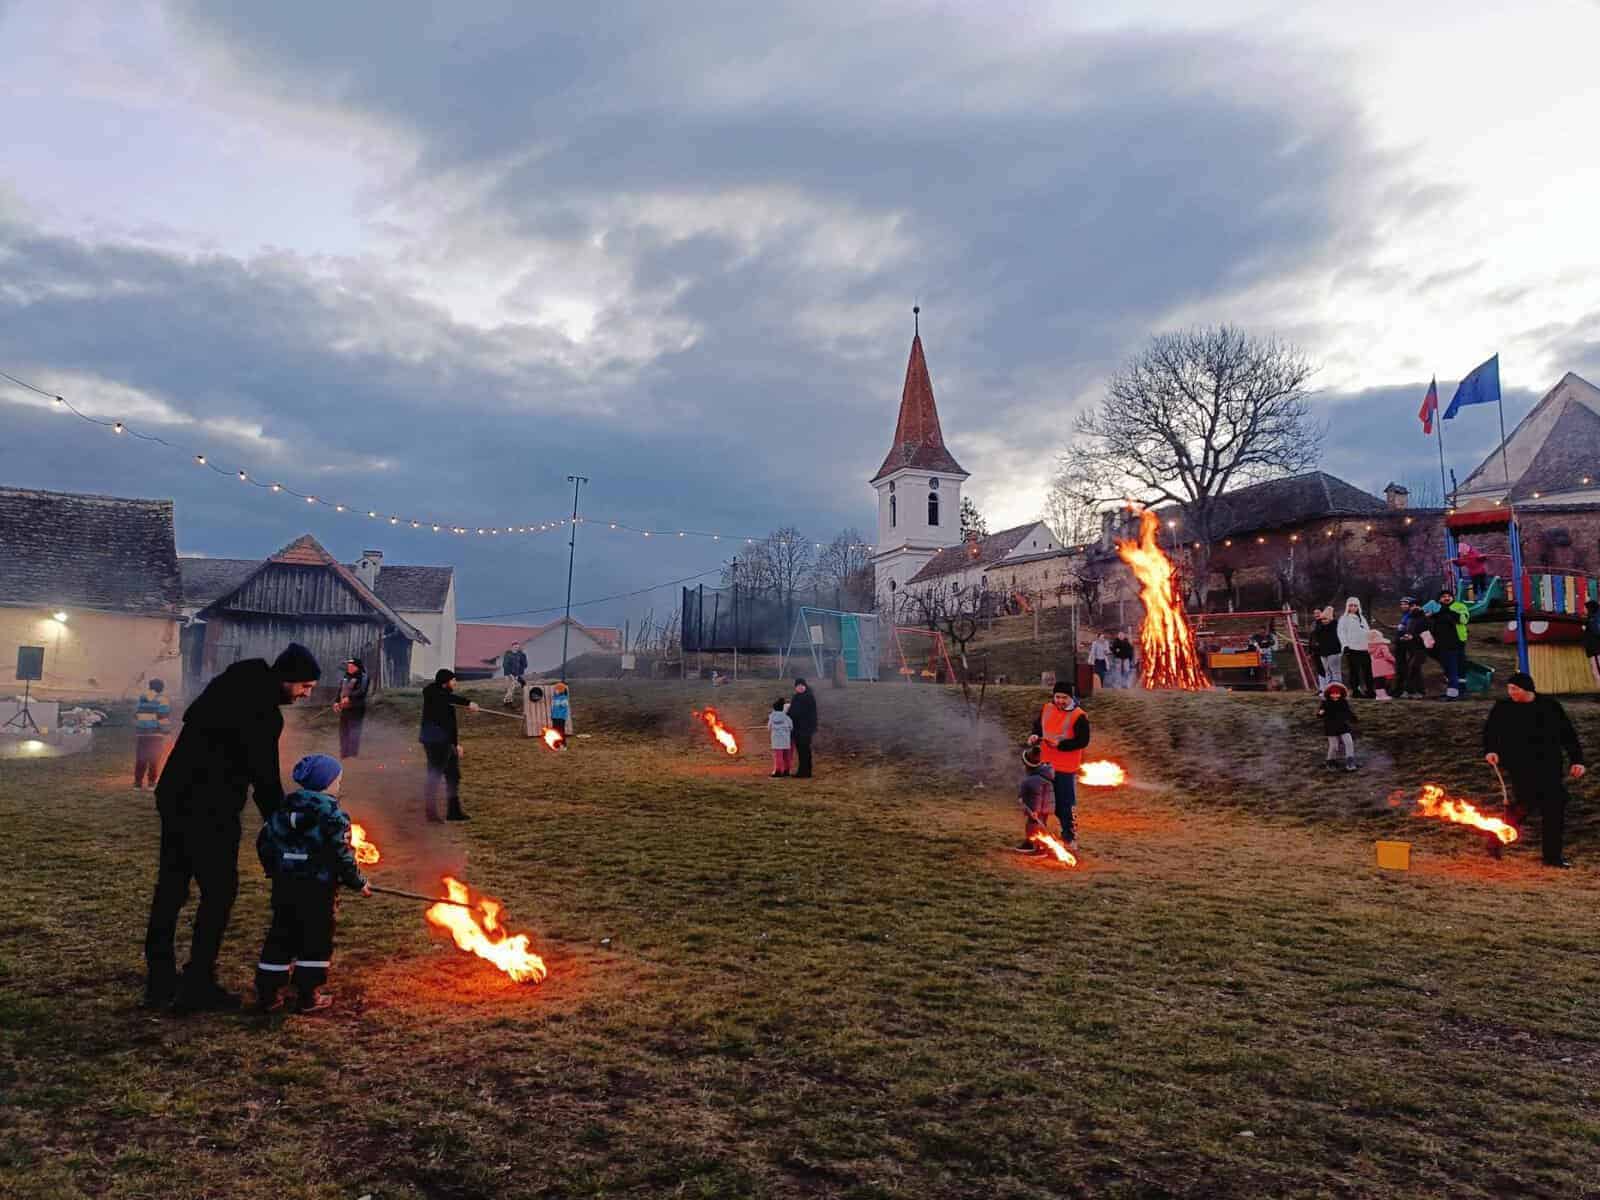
893,585
893,507
933,485
933,507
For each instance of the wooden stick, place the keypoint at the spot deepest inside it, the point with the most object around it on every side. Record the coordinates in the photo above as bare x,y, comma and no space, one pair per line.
417,896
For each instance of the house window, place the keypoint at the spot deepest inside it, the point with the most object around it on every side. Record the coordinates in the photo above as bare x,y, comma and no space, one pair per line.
955,587
933,507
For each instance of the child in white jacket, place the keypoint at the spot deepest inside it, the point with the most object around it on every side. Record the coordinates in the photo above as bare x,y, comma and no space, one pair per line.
780,728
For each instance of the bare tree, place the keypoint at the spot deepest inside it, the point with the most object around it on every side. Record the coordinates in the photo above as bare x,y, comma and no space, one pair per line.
1069,509
972,522
955,612
1192,416
778,566
844,569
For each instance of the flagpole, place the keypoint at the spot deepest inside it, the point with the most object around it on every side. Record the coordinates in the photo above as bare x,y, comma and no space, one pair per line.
1505,463
1438,428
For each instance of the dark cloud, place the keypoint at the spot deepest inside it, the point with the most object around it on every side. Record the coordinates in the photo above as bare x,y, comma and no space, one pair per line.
772,180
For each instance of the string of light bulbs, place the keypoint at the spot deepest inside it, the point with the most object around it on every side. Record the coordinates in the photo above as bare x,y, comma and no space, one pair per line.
120,428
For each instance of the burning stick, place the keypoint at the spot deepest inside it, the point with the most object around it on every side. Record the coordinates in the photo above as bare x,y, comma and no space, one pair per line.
1103,773
496,713
718,730
1434,803
554,738
1166,640
416,896
366,853
512,953
1063,855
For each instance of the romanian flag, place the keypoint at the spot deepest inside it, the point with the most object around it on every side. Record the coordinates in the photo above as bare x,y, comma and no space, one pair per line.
1430,406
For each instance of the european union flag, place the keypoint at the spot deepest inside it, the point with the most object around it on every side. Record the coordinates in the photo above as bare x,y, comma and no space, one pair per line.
1482,386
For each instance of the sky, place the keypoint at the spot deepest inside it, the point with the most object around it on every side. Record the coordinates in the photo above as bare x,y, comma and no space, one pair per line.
430,260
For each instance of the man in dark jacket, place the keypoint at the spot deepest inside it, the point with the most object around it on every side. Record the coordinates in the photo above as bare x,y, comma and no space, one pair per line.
228,746
352,708
803,712
1527,734
514,665
1409,651
441,744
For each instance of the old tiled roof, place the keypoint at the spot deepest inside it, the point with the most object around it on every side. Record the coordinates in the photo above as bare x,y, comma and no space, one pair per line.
1570,452
481,644
918,440
306,551
67,550
1282,502
980,553
403,588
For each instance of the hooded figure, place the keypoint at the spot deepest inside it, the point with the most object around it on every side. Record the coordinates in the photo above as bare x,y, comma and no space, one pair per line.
1338,726
1527,736
228,748
1354,639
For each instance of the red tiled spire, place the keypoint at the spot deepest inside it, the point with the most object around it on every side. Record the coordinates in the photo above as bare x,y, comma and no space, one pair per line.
918,440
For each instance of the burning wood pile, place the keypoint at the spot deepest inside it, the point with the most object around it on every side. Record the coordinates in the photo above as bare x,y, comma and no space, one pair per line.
1169,656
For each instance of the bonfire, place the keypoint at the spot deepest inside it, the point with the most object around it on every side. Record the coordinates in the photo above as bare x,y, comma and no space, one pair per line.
1169,656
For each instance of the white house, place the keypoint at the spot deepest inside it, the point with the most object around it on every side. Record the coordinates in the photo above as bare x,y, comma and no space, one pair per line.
480,646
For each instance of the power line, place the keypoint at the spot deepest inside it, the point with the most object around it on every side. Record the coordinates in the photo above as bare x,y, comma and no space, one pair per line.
533,612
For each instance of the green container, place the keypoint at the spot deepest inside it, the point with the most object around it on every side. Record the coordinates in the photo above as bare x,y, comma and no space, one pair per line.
1477,677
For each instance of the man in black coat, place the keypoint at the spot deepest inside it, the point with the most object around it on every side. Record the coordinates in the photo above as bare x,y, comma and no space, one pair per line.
228,746
352,708
1528,733
803,712
441,744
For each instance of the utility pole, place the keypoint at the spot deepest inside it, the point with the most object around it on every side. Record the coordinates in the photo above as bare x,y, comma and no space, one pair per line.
572,549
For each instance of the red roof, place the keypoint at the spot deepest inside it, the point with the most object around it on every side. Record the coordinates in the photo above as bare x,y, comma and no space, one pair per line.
918,440
479,645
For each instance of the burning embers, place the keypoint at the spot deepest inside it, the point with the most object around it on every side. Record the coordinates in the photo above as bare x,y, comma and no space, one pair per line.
1063,855
554,739
366,852
1103,773
483,936
1434,803
721,732
1166,641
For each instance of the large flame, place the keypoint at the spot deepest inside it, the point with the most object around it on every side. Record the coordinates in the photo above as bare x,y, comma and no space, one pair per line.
718,730
1103,773
484,937
366,852
1166,641
1434,803
554,738
1063,855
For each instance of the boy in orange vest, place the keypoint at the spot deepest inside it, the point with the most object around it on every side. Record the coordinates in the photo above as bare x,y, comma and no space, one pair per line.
1061,731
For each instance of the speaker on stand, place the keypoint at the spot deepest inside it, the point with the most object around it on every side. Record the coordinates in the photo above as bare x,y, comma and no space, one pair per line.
30,666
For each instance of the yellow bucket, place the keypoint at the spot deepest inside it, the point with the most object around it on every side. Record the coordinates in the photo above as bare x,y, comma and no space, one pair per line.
1394,856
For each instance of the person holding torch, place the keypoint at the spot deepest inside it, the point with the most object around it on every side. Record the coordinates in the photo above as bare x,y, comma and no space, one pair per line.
1061,732
1528,734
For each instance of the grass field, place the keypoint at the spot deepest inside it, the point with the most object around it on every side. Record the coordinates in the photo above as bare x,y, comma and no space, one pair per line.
846,987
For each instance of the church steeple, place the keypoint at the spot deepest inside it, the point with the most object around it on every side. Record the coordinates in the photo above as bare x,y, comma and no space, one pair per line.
918,440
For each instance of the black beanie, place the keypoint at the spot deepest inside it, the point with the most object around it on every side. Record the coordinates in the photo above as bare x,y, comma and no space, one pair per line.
1062,684
1522,680
158,686
297,665
443,675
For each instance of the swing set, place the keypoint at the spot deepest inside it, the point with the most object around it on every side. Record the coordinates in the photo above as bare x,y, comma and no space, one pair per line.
926,668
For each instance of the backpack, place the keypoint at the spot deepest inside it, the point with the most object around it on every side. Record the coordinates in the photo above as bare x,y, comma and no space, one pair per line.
294,843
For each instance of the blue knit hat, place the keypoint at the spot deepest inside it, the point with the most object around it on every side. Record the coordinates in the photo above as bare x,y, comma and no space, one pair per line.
317,771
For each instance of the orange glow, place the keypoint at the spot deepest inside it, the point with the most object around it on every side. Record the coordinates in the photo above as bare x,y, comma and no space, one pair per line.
718,730
1434,803
1063,855
1166,640
512,953
554,738
366,852
1102,774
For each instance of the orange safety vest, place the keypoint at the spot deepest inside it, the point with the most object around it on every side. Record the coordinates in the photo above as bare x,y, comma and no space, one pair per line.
1057,725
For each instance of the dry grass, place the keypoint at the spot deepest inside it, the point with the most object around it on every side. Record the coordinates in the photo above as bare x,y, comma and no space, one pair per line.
843,988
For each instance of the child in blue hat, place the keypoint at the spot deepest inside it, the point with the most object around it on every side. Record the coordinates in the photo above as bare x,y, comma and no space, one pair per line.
305,850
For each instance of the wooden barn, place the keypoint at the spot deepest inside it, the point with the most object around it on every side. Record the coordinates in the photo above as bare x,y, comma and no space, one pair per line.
302,594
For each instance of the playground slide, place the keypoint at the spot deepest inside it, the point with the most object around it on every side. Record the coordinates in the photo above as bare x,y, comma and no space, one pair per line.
1476,677
1479,608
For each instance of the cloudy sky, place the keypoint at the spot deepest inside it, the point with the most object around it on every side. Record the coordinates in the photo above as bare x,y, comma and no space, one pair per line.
431,259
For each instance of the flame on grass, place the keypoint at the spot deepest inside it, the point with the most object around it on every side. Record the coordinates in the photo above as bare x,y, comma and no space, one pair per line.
718,730
1434,803
1103,773
1054,845
1169,656
484,936
554,738
366,852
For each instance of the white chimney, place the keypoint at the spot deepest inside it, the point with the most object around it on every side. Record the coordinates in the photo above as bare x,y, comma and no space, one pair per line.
369,566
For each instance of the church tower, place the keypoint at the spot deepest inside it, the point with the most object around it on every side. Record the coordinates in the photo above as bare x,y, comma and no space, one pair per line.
918,486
